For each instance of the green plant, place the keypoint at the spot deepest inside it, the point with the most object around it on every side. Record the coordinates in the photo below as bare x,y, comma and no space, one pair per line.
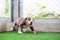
41,14
6,7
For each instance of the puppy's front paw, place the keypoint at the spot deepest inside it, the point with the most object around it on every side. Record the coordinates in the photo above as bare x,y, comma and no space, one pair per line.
34,32
19,32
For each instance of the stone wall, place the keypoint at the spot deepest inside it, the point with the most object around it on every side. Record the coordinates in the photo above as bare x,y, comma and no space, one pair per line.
5,26
47,27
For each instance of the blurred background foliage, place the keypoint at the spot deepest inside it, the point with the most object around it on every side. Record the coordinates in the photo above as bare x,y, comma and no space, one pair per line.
6,7
43,14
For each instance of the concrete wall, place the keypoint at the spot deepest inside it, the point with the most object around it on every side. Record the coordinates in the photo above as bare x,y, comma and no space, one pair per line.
38,26
47,27
5,26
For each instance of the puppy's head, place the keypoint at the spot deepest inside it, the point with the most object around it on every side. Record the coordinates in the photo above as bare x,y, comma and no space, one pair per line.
28,18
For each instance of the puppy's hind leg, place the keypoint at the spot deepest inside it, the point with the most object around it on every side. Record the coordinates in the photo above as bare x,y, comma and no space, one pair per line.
14,26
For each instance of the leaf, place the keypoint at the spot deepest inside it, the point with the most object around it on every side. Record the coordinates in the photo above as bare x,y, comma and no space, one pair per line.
43,7
37,4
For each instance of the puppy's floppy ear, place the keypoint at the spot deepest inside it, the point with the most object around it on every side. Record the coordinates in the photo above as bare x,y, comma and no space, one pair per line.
25,18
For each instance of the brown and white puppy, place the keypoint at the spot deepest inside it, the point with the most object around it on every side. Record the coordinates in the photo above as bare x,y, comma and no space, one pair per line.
20,22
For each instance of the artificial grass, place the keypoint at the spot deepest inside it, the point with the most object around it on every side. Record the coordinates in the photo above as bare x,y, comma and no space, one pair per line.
13,35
